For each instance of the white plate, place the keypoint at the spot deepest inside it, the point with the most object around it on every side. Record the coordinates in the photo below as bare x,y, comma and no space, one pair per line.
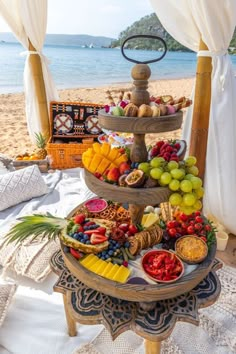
63,123
91,124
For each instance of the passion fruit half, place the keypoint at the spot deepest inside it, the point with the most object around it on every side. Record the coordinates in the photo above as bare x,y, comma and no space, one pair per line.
135,179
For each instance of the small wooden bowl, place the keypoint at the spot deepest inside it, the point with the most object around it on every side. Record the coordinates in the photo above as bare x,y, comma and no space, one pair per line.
197,243
153,253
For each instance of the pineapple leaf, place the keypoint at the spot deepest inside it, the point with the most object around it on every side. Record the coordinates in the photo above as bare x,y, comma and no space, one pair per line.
46,226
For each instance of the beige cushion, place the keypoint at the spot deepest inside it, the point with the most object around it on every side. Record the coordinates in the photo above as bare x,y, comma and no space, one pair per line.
29,259
20,186
6,293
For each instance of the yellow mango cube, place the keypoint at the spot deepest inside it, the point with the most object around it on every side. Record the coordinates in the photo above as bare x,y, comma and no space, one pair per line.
105,149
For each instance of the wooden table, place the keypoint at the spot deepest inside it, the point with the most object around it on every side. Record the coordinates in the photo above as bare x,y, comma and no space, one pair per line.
88,306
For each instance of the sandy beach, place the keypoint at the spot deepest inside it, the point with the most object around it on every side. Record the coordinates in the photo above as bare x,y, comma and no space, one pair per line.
13,126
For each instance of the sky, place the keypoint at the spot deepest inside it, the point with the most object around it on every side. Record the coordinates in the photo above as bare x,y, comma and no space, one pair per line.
94,17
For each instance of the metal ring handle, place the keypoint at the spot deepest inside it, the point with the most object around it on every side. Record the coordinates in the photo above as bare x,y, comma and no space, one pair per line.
144,36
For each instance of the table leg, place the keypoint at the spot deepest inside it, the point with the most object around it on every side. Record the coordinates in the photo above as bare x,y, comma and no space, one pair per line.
152,347
71,324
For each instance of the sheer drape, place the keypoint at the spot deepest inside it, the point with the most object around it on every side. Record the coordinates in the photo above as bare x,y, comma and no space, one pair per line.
27,20
187,21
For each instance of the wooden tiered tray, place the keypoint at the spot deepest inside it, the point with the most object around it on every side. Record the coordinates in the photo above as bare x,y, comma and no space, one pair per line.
142,125
137,292
139,196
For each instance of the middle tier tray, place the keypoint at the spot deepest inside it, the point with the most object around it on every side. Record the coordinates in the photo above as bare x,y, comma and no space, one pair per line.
139,196
140,125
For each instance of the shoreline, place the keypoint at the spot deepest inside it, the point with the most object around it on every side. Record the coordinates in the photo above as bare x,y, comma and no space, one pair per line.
98,86
13,126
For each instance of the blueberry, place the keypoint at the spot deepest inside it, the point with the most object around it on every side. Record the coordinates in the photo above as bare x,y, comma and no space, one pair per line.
127,172
104,253
133,165
110,253
95,226
86,237
86,228
87,220
82,240
136,164
103,258
81,234
87,242
66,249
76,236
126,244
106,256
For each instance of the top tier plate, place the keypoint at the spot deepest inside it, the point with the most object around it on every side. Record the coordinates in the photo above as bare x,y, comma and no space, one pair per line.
140,125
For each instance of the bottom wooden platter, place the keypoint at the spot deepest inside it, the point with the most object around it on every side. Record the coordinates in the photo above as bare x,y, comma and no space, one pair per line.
137,292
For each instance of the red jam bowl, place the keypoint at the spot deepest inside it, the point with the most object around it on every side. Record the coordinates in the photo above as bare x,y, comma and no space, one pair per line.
162,266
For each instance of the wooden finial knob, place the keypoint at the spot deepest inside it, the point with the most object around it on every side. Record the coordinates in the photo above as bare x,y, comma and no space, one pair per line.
140,73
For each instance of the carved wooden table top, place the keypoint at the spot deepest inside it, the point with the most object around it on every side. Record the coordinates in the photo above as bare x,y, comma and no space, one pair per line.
88,306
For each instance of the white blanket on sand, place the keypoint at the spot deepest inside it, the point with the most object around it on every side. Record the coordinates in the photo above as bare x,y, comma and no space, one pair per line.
35,322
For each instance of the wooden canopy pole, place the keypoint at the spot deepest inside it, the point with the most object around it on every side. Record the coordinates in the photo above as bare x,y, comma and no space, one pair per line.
201,110
36,66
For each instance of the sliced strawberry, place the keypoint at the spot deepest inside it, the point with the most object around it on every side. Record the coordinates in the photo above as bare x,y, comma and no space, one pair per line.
97,238
76,253
90,232
101,229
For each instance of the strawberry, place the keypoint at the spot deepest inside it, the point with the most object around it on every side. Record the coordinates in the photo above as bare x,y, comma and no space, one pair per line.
75,253
97,238
102,230
79,219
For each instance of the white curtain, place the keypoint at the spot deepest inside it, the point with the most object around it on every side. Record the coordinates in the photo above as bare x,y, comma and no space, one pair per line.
187,21
28,20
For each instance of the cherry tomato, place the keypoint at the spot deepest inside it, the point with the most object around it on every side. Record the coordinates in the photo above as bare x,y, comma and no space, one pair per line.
198,226
172,232
171,224
133,229
183,217
207,227
198,219
197,213
203,238
190,230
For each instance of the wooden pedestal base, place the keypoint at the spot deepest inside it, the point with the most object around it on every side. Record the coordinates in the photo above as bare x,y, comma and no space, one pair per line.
87,306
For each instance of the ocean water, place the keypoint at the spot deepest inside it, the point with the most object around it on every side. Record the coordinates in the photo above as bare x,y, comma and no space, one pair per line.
84,67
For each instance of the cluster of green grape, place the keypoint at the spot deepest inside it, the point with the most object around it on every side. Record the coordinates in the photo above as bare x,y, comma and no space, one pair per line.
181,178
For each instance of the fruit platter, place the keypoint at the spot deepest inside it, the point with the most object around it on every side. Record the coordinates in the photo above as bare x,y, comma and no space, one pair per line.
123,262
